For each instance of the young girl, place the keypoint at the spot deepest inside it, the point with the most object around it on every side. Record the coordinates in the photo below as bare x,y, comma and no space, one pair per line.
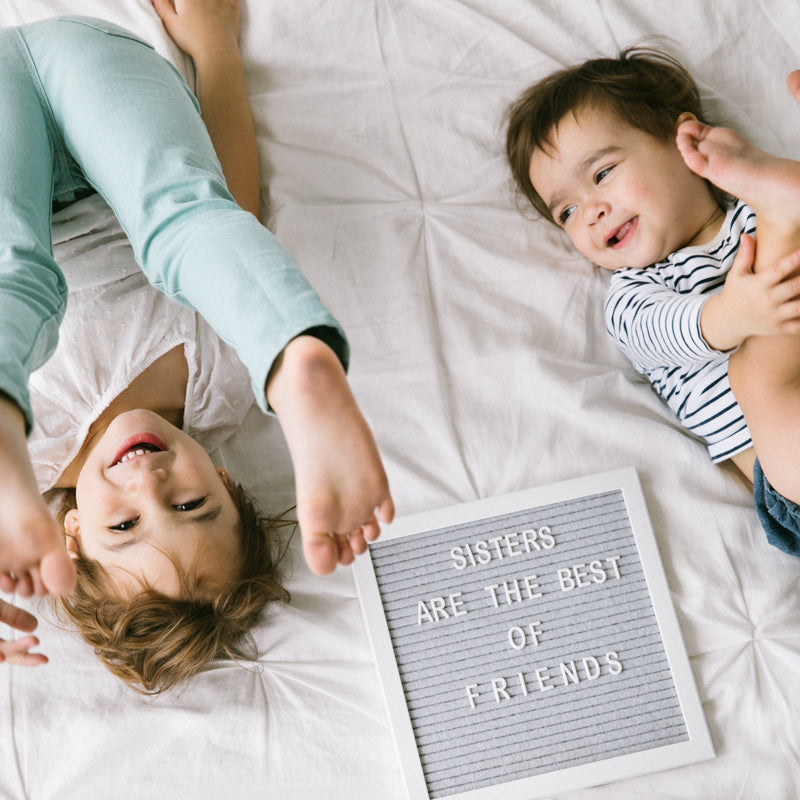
160,537
614,153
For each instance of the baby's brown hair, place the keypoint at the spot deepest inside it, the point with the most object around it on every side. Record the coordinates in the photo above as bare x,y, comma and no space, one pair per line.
154,642
644,88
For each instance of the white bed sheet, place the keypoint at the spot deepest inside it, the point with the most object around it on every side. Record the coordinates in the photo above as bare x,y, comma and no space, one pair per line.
481,362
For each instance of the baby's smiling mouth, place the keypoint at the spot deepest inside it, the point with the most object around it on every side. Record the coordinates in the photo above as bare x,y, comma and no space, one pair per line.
618,236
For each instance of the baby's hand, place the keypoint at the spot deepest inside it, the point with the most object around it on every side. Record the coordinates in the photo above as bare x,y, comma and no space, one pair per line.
754,304
341,486
16,652
200,26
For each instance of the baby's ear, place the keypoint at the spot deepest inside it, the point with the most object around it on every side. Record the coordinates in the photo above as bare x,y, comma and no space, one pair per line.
684,117
72,533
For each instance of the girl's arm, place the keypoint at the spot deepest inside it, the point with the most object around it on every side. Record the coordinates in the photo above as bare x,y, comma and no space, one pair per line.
751,303
208,31
33,559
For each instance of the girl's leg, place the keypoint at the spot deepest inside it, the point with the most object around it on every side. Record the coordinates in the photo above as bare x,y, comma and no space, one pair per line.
32,301
33,293
134,128
765,371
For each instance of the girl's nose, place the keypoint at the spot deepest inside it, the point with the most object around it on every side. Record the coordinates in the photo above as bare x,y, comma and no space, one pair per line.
150,480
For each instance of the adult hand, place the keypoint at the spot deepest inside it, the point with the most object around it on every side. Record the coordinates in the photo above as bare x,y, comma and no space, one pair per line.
16,652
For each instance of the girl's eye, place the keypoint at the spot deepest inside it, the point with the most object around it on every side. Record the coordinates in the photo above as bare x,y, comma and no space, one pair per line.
602,174
190,506
565,215
123,526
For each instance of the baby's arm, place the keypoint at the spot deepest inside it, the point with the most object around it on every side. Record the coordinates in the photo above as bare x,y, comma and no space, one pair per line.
652,324
753,304
208,30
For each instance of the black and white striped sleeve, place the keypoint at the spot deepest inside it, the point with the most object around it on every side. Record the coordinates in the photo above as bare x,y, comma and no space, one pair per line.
653,325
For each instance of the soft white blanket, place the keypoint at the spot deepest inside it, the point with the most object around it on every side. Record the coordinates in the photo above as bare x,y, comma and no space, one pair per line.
480,360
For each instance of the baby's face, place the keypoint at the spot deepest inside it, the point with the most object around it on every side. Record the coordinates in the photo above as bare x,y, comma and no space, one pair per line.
150,500
624,198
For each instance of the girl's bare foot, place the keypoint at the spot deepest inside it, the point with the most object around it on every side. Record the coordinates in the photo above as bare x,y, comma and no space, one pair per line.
341,486
768,184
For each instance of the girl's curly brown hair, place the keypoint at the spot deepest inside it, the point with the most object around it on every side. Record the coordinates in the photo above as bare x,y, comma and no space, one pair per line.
154,642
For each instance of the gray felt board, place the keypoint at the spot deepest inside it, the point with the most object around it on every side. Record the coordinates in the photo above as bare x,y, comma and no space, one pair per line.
526,643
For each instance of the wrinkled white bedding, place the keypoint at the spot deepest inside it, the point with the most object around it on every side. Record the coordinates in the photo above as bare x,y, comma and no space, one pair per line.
481,362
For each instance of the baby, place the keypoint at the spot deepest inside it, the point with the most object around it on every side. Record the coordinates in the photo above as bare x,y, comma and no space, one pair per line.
614,152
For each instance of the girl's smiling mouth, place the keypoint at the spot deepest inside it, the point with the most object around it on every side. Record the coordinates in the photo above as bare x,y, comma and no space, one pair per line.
138,445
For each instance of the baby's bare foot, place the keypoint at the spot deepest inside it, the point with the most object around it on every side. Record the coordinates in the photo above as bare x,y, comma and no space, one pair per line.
768,184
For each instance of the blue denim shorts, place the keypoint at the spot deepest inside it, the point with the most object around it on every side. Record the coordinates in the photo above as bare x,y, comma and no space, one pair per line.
779,516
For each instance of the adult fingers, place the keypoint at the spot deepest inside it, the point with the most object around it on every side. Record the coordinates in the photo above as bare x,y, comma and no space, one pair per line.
16,652
17,617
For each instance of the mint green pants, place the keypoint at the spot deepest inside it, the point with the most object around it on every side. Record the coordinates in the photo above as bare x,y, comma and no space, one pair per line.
86,105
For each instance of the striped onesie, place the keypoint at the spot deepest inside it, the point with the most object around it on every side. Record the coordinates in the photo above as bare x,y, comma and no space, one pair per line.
653,314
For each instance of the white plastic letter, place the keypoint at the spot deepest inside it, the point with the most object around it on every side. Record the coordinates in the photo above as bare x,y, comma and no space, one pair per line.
499,686
614,664
423,614
516,637
458,558
565,579
591,668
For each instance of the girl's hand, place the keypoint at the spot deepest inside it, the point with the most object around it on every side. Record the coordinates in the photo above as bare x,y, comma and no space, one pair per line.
33,559
16,652
200,26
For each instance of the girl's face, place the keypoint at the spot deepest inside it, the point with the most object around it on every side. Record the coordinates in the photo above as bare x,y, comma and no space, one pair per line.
149,501
624,198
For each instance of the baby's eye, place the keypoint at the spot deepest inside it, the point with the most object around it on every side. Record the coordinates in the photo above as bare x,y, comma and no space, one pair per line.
123,526
191,505
602,174
565,215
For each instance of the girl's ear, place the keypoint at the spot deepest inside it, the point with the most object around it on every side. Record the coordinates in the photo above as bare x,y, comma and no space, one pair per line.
226,479
72,531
